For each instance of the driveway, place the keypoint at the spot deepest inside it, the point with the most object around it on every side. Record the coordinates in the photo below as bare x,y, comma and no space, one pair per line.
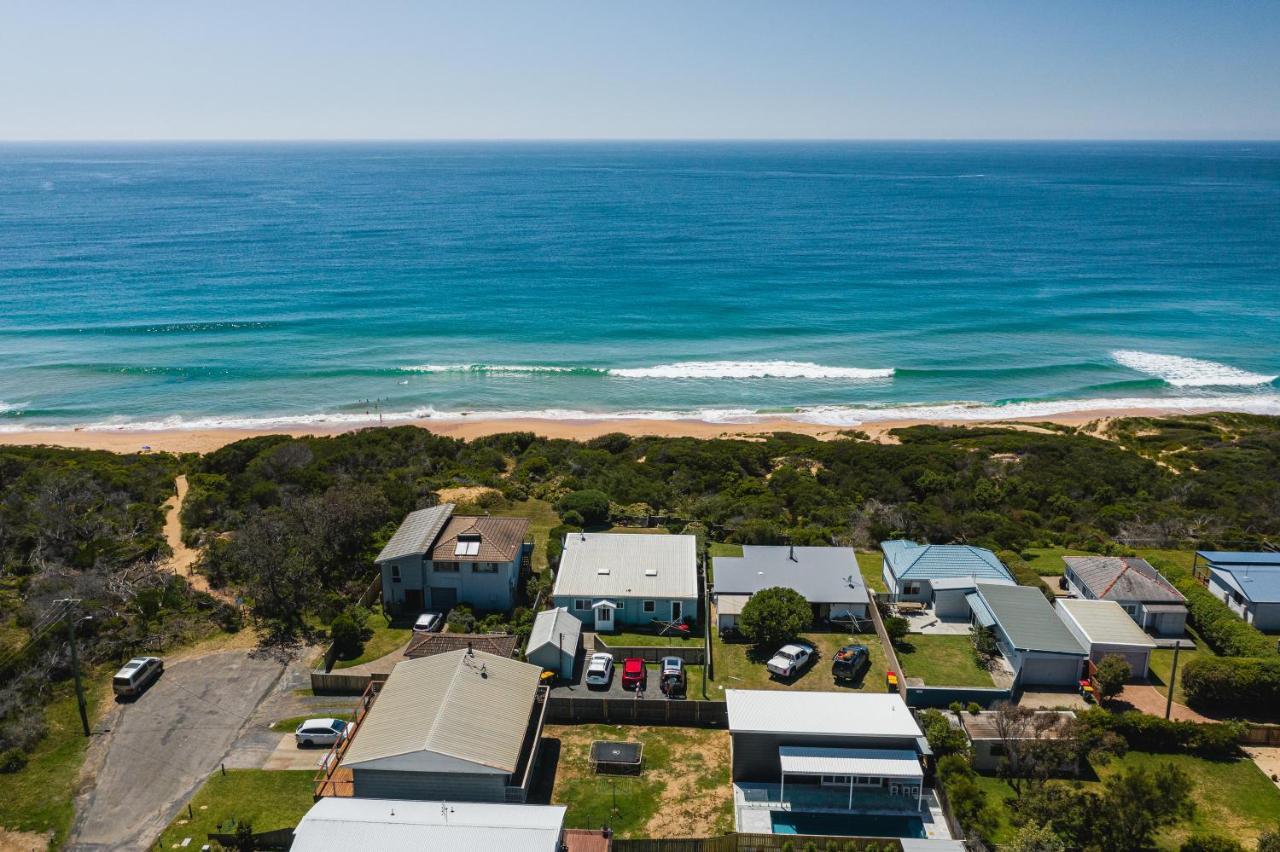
153,753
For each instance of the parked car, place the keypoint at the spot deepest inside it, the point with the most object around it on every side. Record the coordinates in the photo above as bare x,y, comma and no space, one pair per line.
673,681
633,674
599,670
136,675
792,659
850,662
325,732
428,622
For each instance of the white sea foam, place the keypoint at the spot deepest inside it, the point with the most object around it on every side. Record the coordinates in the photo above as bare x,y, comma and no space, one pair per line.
749,370
493,369
1188,372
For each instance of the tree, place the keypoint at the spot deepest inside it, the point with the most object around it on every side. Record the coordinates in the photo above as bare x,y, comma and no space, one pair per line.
1034,838
591,506
347,636
1269,841
897,627
1112,674
985,647
1136,803
968,799
775,615
1211,843
944,738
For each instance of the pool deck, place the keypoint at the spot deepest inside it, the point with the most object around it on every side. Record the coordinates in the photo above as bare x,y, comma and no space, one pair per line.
753,803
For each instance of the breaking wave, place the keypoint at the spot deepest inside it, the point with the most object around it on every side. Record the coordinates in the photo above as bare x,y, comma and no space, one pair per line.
1183,372
680,370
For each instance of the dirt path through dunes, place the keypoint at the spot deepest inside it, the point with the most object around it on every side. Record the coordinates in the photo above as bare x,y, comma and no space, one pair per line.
183,561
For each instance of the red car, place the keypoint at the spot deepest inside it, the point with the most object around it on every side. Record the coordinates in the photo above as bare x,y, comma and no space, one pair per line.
633,673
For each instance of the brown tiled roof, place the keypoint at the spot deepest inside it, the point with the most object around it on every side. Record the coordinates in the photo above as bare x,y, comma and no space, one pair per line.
500,538
430,644
982,726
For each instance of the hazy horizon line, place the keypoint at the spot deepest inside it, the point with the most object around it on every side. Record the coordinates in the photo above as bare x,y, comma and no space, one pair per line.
636,139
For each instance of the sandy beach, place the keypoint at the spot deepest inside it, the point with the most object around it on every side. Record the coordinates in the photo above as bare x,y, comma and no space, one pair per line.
207,440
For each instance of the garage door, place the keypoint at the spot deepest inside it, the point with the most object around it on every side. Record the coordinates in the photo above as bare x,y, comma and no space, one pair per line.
443,598
1137,660
1050,670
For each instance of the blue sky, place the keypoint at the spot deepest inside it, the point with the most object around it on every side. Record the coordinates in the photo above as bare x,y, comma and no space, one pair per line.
282,69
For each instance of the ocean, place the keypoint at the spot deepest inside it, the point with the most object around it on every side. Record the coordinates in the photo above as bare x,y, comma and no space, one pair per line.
265,285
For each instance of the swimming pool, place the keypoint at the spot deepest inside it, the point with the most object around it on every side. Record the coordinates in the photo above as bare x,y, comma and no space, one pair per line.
847,825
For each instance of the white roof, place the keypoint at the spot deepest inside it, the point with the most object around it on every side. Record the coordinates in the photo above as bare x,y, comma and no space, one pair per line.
881,762
340,824
549,625
1104,623
628,565
727,604
963,583
837,714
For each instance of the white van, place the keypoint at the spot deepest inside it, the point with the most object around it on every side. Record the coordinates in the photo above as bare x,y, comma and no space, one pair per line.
137,675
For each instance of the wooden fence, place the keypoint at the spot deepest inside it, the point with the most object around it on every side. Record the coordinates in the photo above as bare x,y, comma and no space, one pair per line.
755,843
1261,735
281,838
635,711
371,593
694,655
338,683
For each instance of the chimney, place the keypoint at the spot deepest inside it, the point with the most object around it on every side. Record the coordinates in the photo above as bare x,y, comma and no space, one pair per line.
470,651
792,555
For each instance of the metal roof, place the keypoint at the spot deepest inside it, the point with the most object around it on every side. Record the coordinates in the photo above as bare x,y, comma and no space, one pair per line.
836,714
731,604
598,565
549,625
1122,578
1259,583
980,610
430,644
881,762
985,725
1240,557
499,539
416,532
449,712
1028,619
819,574
909,560
1104,623
337,824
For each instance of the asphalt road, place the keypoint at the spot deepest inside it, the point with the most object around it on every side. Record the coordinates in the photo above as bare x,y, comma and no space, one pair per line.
159,749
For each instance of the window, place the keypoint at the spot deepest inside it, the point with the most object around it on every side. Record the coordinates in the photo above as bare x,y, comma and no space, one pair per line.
484,568
582,604
997,750
468,545
445,567
395,573
911,589
650,606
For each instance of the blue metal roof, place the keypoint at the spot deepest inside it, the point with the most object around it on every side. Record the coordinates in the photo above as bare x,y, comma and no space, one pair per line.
1258,583
1223,558
909,560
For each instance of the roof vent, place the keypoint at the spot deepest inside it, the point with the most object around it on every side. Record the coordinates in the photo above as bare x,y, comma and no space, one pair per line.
602,570
651,572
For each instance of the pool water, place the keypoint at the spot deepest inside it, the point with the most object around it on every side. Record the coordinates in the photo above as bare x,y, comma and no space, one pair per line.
847,825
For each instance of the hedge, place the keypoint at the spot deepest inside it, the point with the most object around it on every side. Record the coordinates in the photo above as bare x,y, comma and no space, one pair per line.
1224,631
1024,574
1144,732
1246,682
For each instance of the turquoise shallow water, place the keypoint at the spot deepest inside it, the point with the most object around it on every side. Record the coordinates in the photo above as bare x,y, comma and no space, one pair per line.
197,285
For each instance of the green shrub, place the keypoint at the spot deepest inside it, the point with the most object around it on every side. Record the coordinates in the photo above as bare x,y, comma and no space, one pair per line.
1112,674
1211,843
1252,682
1144,732
461,619
974,708
591,506
12,760
897,627
347,636
1024,574
772,616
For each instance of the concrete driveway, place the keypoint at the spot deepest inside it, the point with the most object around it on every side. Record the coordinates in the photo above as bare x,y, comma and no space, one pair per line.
156,751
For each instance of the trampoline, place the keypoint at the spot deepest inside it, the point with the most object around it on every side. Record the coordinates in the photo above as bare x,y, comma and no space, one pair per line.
612,758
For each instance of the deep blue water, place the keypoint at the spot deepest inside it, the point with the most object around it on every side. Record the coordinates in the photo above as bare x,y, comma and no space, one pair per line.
199,284
846,825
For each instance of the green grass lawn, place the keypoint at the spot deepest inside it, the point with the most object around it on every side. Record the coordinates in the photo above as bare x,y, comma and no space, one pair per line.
941,661
1180,558
41,797
872,571
718,548
739,666
650,640
542,519
1047,561
683,790
640,530
385,639
268,799
1232,798
1162,663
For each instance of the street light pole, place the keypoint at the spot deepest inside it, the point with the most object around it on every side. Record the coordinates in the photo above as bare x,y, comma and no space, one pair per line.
72,617
1173,679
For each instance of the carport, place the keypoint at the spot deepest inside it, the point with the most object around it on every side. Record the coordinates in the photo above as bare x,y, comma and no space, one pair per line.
865,769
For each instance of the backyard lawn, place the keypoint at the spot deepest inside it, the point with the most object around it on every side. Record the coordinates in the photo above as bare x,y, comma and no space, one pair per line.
718,548
737,666
542,519
640,530
385,639
1232,798
623,638
941,661
268,799
1047,561
872,565
1162,662
683,790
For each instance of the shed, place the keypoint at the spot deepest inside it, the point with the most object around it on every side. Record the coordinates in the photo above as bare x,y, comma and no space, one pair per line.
554,640
1106,629
1032,638
396,825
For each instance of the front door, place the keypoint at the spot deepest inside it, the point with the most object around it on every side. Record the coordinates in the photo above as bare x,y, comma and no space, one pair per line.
413,600
677,610
604,618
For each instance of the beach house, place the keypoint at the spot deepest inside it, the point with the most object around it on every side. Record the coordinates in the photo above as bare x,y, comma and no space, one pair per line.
1105,630
827,577
1249,583
437,559
1033,639
939,575
1148,598
611,581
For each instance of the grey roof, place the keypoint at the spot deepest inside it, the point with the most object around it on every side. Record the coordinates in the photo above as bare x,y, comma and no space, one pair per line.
449,712
1122,578
835,714
337,824
1029,620
417,532
613,565
1104,623
884,762
549,625
909,560
819,574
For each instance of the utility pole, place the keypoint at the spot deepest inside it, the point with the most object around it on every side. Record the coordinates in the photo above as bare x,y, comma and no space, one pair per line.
72,615
1173,679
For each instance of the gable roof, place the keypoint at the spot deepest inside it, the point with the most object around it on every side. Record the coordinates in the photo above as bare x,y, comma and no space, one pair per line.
1104,623
819,574
448,712
1122,578
1258,583
909,560
1028,619
549,625
340,823
837,714
616,565
416,532
1222,558
430,644
500,538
